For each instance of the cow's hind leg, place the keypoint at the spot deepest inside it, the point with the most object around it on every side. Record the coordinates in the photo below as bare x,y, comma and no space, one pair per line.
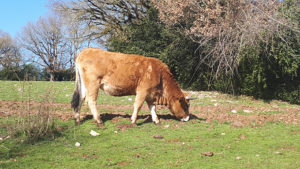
77,113
139,100
92,95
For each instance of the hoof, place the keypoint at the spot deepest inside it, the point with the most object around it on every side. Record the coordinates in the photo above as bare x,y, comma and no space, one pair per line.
157,123
133,124
77,123
100,125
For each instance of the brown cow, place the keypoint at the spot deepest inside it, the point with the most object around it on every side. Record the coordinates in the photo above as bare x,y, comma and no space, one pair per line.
120,74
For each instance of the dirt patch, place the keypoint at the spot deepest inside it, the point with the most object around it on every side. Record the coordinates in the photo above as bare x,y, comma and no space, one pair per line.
124,127
254,116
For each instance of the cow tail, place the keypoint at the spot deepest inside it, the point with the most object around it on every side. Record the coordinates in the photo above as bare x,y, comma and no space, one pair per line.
79,92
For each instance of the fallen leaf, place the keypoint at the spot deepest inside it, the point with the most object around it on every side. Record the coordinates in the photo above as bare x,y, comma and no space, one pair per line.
243,137
167,126
137,155
209,154
158,136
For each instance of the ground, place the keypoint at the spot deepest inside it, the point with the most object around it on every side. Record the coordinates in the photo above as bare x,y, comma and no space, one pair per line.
238,115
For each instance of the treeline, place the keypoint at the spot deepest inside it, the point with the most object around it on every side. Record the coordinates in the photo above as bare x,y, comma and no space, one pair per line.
31,72
238,47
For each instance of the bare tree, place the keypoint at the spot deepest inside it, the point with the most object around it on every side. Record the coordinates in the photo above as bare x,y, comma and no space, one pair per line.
9,51
46,41
75,35
224,28
102,18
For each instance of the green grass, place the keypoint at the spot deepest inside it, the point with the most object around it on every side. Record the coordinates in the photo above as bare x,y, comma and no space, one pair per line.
180,147
62,92
274,145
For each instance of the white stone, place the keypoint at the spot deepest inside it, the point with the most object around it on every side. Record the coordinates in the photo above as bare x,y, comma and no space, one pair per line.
247,111
93,133
77,144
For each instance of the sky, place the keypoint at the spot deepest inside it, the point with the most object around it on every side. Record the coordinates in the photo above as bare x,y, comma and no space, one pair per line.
14,15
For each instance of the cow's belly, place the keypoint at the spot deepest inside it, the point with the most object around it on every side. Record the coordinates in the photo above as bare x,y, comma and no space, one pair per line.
116,90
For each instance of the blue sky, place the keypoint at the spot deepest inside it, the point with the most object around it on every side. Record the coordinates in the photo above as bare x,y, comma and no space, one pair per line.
14,15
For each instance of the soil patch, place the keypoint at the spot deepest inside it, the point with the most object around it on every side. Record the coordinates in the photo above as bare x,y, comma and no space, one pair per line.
254,116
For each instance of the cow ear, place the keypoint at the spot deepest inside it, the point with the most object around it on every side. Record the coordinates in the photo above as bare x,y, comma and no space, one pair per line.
181,99
186,94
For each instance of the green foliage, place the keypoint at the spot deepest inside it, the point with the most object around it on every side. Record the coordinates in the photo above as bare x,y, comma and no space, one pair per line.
24,72
61,75
271,70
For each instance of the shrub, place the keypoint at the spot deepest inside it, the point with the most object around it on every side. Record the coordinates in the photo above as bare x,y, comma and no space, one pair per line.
33,121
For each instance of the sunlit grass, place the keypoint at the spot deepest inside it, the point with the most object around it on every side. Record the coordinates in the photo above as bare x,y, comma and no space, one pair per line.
180,145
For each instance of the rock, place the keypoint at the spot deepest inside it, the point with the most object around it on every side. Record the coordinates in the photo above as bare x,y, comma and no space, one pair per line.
247,111
233,111
77,144
93,133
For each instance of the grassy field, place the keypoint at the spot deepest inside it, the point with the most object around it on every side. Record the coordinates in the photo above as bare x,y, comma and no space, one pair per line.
230,132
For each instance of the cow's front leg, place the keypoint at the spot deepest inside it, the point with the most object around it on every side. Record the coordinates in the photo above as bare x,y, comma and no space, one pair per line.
139,100
153,114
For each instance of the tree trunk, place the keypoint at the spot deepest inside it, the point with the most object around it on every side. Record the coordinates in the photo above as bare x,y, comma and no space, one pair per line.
51,76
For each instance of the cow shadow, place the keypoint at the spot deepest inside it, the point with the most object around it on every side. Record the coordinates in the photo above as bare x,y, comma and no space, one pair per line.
146,117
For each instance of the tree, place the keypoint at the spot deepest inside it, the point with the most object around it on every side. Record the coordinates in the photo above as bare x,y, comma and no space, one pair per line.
46,41
102,18
224,28
9,51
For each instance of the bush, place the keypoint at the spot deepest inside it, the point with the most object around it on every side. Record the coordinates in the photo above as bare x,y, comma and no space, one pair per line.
33,121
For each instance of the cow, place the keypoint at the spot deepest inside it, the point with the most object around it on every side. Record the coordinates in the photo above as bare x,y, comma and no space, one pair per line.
119,74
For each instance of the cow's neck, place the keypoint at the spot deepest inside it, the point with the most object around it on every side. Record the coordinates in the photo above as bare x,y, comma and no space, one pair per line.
171,88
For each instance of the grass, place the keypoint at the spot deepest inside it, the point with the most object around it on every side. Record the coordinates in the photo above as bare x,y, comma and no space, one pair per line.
274,145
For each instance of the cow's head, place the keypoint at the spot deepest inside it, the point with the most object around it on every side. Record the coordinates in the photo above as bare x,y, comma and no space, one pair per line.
180,108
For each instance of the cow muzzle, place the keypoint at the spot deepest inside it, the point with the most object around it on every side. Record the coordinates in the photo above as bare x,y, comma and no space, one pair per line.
185,119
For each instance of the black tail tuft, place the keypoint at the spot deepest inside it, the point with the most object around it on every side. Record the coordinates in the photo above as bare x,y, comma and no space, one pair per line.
75,100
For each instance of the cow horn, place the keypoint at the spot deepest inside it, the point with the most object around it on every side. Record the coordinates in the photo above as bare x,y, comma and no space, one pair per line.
190,98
